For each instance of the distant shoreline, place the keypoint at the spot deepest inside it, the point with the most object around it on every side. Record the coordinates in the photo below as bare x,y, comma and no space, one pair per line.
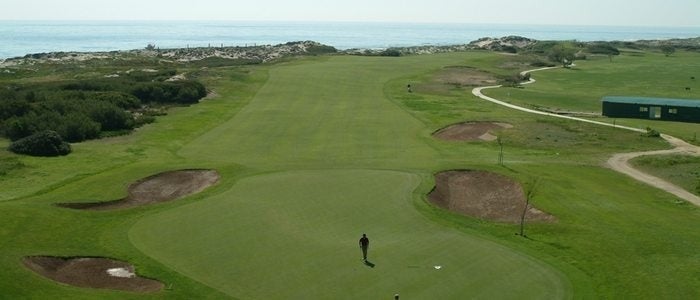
22,37
268,53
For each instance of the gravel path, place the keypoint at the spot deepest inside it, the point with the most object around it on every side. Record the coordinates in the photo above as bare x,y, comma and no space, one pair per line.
619,162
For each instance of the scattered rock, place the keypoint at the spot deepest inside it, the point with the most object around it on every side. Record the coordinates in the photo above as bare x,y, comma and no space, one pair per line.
506,44
262,53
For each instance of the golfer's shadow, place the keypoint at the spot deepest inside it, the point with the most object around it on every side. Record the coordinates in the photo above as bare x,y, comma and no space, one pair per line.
369,264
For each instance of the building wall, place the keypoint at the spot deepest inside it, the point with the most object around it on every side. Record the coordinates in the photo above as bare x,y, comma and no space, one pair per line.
645,111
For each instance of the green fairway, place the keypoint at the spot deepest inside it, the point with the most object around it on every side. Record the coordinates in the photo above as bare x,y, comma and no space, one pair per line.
331,114
315,151
294,235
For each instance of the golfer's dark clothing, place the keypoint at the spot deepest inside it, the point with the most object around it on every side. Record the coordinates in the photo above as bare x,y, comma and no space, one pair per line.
364,244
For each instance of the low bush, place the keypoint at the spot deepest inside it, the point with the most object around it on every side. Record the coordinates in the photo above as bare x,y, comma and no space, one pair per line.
651,133
390,52
44,143
320,49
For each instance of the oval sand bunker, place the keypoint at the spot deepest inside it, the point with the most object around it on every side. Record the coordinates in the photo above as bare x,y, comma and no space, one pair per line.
470,131
88,272
483,195
161,187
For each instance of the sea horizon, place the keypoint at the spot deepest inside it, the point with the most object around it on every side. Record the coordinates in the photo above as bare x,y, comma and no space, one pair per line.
22,37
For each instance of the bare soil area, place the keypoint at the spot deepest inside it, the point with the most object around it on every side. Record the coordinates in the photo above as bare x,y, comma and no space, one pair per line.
483,195
89,272
161,187
465,76
470,131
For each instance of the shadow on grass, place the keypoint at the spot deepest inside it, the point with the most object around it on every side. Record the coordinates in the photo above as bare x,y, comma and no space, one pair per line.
551,244
369,264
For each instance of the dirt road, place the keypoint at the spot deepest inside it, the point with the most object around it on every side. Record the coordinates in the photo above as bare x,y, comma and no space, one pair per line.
620,162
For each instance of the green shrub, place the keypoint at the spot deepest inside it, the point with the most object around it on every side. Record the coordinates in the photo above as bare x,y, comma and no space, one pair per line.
667,49
541,64
111,117
652,133
183,92
13,107
44,143
143,120
390,52
602,48
320,49
19,127
82,109
121,100
79,127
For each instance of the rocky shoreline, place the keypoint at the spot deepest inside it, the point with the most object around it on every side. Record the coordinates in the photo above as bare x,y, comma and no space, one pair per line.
268,53
249,54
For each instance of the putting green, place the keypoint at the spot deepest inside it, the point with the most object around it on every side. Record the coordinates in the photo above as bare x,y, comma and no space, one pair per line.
293,235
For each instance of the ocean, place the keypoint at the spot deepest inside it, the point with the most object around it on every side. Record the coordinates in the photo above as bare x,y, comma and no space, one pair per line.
19,38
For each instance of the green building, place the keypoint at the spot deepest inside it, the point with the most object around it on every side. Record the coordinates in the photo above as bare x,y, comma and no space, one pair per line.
681,110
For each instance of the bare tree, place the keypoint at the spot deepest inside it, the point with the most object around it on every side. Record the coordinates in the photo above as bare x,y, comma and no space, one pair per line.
530,191
500,153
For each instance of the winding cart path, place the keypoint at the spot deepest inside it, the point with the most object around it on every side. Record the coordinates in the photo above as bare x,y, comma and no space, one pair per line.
618,162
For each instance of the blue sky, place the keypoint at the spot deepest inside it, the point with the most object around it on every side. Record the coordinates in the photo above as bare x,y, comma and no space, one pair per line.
564,12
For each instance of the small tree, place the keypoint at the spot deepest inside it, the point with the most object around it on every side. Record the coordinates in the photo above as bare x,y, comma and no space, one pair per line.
562,54
530,190
151,47
668,50
604,48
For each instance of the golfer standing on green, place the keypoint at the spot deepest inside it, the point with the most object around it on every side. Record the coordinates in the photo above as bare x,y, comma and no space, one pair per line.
364,245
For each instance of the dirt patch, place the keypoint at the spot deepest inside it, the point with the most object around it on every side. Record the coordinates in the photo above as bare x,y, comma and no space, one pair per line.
161,187
89,272
483,195
465,76
470,131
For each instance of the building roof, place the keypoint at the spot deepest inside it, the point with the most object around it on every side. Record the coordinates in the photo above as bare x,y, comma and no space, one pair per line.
653,101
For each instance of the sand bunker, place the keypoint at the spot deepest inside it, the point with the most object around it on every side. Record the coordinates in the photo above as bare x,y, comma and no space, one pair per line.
157,188
89,272
483,195
470,131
